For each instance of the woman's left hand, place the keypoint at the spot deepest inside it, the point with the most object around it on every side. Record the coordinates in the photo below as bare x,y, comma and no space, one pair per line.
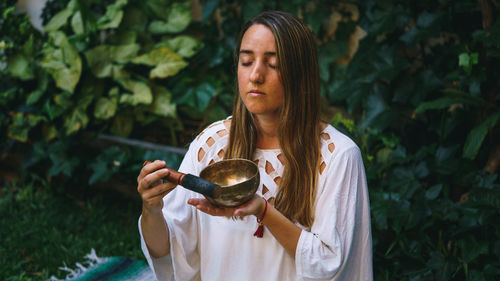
253,207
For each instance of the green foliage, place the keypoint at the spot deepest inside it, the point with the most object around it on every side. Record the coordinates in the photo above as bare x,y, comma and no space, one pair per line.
94,57
430,127
98,68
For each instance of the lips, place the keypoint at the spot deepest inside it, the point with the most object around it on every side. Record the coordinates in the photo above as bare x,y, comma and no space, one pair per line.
255,93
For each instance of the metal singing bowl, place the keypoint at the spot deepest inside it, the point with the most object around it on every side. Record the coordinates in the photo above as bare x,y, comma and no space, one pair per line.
238,178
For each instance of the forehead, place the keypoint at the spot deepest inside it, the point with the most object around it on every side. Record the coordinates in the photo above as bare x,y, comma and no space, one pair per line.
258,38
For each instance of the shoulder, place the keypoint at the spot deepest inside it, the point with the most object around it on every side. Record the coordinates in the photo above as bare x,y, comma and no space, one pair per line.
337,145
211,142
217,130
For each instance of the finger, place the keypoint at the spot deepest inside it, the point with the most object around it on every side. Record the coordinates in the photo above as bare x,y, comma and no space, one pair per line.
202,205
207,207
248,208
155,200
158,190
148,167
152,179
243,211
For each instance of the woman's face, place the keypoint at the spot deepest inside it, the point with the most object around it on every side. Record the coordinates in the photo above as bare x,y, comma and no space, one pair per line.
259,82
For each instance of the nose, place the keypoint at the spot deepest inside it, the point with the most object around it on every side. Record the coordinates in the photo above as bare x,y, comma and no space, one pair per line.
257,75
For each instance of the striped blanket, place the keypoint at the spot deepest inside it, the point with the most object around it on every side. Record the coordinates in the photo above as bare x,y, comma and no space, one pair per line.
95,268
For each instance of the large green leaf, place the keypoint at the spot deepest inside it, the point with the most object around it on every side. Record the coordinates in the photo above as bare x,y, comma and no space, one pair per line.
167,62
77,23
63,100
160,8
162,104
375,107
141,93
77,120
179,18
113,16
119,54
198,98
467,60
184,45
108,60
62,61
433,192
19,66
165,70
58,20
426,19
21,125
34,96
52,110
49,132
453,97
476,136
105,107
43,80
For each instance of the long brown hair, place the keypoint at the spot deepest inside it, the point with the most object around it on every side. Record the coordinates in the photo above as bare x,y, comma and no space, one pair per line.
299,127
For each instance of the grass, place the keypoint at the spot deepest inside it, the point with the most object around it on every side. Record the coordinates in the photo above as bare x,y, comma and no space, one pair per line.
43,227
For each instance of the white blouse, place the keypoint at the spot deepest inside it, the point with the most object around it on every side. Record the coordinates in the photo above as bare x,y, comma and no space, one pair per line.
338,246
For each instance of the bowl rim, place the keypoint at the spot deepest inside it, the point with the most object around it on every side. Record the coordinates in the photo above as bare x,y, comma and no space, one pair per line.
232,160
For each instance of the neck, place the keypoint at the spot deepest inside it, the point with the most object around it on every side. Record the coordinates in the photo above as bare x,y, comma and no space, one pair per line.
267,132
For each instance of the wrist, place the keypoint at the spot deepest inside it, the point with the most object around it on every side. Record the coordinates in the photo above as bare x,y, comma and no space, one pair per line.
260,230
262,210
151,211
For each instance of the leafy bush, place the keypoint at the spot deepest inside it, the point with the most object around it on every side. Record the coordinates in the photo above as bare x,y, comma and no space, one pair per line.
424,94
100,67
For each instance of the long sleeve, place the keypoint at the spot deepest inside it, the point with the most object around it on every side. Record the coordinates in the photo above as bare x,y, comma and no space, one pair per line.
338,247
183,259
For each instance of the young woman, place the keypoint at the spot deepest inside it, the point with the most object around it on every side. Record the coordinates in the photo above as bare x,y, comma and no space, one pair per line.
313,198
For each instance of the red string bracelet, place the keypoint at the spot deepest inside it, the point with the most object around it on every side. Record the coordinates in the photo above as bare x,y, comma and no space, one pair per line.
260,230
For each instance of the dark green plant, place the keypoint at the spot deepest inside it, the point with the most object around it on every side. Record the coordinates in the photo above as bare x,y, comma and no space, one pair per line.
424,93
100,67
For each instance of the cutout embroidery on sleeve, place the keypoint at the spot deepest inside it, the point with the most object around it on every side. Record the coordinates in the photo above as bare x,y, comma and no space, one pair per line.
211,139
330,147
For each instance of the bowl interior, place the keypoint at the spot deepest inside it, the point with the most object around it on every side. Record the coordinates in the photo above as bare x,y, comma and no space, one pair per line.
239,179
230,172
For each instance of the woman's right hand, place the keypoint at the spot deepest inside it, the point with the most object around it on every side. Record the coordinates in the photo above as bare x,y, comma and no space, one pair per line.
151,187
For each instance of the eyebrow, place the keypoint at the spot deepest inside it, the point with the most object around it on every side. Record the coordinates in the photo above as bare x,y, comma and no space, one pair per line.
248,52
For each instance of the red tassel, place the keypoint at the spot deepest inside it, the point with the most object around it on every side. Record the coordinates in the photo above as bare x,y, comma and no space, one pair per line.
260,231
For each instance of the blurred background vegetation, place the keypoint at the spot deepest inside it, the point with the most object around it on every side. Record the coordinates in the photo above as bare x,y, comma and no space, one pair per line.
108,84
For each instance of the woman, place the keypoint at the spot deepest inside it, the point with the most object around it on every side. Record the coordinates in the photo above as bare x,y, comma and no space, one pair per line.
313,198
